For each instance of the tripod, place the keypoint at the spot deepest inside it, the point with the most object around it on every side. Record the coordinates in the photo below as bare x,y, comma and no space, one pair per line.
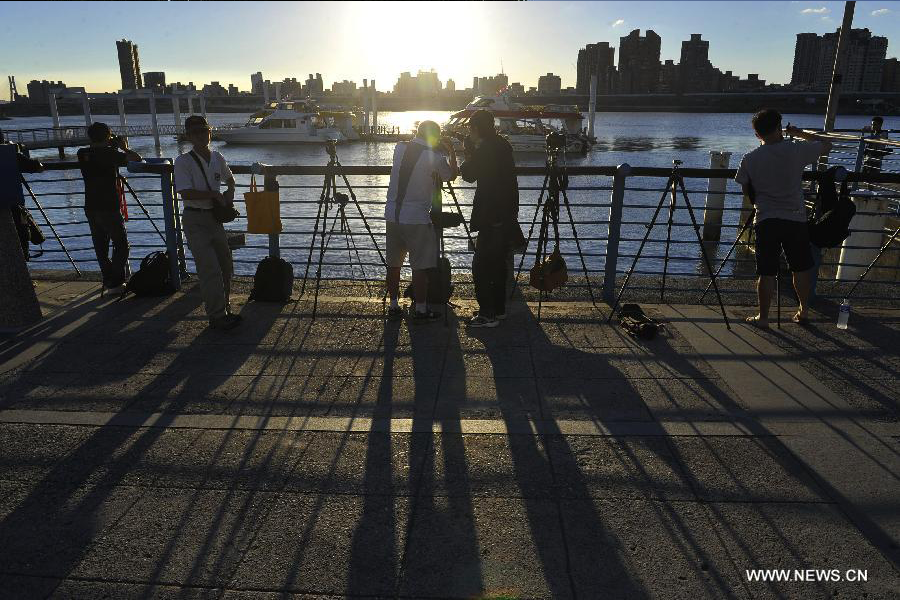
874,260
556,182
673,186
328,197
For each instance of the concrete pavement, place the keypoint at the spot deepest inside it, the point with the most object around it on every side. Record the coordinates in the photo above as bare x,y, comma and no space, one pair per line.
145,456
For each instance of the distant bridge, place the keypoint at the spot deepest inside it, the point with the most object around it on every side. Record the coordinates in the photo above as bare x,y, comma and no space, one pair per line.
76,135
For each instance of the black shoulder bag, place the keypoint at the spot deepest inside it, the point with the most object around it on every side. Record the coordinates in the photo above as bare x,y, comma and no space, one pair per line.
223,213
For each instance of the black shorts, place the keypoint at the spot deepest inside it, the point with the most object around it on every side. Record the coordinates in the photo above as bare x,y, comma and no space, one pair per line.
773,235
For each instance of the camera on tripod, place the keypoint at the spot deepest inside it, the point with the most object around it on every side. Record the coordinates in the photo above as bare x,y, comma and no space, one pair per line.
331,147
341,199
556,141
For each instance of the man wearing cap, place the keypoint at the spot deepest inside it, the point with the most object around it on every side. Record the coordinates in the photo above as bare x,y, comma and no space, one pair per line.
199,175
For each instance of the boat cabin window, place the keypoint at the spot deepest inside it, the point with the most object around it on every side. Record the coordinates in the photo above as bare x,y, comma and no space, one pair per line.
278,124
255,121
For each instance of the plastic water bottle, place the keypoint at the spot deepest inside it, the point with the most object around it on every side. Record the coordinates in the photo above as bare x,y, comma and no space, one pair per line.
844,314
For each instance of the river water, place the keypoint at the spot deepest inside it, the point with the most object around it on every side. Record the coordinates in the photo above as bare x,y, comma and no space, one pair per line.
639,139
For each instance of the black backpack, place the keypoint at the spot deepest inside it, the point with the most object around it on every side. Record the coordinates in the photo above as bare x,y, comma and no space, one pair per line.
274,280
835,213
153,278
440,289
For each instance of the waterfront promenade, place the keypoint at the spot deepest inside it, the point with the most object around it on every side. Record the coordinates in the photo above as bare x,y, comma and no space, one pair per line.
146,456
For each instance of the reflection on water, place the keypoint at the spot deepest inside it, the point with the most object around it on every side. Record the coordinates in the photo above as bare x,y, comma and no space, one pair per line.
648,144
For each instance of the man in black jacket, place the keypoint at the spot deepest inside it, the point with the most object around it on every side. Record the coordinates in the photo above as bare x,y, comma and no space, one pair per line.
495,213
100,164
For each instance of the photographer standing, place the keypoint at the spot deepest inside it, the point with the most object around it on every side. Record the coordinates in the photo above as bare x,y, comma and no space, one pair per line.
414,189
99,165
495,215
199,174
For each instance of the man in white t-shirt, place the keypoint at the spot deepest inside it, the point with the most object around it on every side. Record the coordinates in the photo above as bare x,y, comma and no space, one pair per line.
772,177
419,167
199,175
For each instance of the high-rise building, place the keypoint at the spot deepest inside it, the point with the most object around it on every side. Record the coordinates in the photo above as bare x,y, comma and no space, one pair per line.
256,83
129,65
450,86
490,85
155,79
549,84
314,85
807,56
696,73
596,59
39,91
639,62
814,61
890,76
669,77
232,90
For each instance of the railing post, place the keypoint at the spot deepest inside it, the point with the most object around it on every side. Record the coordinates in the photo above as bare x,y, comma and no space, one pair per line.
715,198
615,231
163,166
860,159
270,184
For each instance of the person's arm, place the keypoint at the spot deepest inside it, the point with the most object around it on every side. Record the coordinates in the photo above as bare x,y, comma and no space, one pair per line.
228,176
470,170
809,137
28,165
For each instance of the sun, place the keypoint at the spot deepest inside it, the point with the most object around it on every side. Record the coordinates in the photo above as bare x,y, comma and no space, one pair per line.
387,38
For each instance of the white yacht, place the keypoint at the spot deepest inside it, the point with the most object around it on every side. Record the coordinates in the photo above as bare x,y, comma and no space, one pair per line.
526,127
286,122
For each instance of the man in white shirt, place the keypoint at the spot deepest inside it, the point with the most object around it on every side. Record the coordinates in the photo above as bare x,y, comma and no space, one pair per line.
772,177
419,167
199,175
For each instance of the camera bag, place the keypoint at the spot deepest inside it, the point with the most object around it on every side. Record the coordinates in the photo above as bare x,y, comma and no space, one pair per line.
440,288
835,213
637,323
549,274
153,278
273,281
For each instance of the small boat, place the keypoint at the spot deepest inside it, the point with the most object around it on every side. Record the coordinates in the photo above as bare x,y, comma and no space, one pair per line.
526,127
286,122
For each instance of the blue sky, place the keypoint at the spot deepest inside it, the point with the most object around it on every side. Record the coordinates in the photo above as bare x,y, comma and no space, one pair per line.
205,41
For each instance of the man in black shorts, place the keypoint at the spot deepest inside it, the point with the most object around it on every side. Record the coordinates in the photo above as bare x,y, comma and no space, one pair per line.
772,175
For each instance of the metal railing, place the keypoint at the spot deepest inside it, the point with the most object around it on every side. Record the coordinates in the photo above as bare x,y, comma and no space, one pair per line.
610,207
71,135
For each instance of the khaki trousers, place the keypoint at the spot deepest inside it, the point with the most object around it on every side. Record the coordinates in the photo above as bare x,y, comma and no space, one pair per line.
207,242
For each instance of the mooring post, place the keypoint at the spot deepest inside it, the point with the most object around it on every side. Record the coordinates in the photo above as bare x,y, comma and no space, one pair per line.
86,103
120,101
203,105
715,198
374,107
54,113
615,231
176,108
592,107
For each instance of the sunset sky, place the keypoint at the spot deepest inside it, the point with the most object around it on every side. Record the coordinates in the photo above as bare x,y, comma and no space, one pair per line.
226,42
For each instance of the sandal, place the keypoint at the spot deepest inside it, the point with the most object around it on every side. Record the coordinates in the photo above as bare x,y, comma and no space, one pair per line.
755,321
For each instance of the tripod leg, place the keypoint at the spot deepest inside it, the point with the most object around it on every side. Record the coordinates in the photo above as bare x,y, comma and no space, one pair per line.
778,295
50,224
637,254
459,210
662,289
326,187
706,262
740,234
874,260
361,213
321,258
584,268
537,210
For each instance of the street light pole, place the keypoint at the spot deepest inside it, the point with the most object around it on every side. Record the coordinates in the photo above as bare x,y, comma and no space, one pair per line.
834,92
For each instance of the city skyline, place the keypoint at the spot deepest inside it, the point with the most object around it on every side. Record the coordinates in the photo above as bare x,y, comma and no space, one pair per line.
467,51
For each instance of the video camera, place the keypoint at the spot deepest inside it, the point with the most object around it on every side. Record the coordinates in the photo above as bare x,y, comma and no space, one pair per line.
331,148
556,141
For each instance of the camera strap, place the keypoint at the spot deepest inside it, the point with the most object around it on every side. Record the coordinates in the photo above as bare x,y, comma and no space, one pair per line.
407,164
202,169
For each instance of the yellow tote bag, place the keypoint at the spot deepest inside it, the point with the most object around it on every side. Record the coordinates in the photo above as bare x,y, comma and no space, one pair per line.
263,210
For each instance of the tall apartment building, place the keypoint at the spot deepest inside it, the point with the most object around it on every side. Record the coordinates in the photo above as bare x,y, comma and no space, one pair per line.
155,79
256,83
596,59
639,62
890,76
807,59
696,73
549,84
129,65
814,61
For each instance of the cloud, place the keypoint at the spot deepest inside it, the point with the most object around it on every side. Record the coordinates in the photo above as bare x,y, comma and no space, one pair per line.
827,20
618,22
815,11
880,12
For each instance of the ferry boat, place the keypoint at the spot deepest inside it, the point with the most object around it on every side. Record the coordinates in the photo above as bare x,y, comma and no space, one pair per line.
526,127
286,122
